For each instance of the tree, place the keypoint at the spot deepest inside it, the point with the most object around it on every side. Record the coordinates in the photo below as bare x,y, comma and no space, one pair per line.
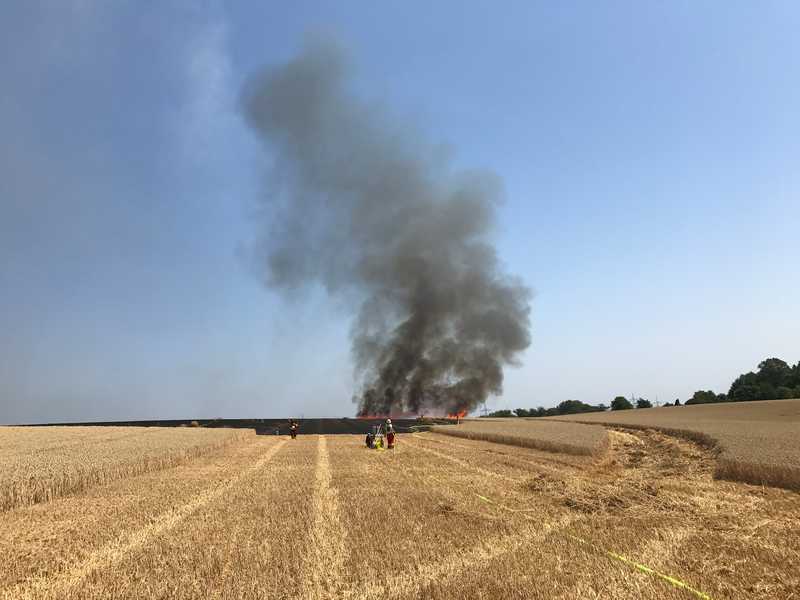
642,403
677,401
746,380
743,393
571,407
702,397
774,371
767,391
501,413
765,384
796,375
621,403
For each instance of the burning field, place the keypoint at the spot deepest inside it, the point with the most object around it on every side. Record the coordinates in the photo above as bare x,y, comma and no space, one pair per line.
263,516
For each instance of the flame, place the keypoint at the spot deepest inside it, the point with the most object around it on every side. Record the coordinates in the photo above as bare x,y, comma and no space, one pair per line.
412,415
397,415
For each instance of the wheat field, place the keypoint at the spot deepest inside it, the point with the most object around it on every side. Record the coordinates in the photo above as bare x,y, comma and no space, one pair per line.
41,463
438,517
756,442
570,438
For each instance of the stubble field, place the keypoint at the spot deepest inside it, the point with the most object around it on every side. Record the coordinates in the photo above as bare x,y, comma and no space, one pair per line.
438,517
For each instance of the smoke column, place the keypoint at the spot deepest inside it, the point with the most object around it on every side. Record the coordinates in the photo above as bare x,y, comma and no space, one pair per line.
374,214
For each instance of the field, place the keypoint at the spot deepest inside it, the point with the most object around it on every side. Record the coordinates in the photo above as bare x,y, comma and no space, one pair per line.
757,442
39,464
571,438
439,517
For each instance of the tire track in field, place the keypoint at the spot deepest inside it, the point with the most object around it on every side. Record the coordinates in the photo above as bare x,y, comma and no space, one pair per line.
465,464
328,547
451,564
542,459
447,571
67,582
411,582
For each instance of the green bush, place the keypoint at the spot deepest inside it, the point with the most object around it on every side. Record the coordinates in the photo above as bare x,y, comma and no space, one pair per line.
621,403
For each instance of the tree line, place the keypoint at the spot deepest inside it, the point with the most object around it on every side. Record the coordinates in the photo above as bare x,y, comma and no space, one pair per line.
774,380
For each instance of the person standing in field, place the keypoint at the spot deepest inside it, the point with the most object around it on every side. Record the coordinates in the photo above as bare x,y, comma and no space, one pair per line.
293,428
389,434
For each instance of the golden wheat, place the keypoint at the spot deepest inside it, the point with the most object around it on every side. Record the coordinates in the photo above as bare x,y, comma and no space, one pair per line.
438,517
757,442
570,438
38,464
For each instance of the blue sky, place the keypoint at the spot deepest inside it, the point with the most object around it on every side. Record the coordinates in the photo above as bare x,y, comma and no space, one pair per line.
649,153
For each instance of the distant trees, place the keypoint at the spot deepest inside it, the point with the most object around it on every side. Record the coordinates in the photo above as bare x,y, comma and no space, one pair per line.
567,407
774,380
702,397
501,413
572,407
621,403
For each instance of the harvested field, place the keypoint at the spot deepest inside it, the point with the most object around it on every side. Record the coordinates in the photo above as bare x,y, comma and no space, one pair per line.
38,464
757,442
439,517
570,438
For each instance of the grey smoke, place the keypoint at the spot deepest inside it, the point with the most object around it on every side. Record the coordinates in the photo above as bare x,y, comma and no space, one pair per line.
364,207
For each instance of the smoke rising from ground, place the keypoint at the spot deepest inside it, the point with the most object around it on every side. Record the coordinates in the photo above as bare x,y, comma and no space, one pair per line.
374,214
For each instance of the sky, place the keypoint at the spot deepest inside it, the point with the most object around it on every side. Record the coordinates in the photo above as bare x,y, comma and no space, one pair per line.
648,152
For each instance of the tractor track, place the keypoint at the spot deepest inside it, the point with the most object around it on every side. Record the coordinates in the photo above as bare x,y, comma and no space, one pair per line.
328,545
66,583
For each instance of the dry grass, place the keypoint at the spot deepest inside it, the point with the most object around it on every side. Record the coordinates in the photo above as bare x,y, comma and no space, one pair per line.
570,438
758,442
38,464
322,517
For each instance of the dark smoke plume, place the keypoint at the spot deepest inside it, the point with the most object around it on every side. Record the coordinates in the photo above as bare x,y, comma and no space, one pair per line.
364,207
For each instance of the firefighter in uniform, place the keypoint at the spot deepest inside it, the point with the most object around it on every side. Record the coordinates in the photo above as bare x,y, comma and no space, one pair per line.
389,434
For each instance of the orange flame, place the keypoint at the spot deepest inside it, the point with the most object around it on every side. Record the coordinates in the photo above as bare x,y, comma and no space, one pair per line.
397,415
411,415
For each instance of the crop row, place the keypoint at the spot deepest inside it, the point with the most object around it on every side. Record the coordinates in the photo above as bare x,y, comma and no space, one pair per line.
82,458
569,438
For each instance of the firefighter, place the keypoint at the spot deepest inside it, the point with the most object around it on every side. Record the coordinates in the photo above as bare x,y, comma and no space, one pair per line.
389,434
370,439
293,428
